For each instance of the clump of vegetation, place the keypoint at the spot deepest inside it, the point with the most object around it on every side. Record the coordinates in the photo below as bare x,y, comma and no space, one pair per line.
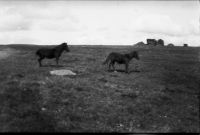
21,109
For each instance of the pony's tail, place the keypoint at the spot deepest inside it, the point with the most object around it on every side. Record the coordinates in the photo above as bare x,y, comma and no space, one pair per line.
106,61
37,53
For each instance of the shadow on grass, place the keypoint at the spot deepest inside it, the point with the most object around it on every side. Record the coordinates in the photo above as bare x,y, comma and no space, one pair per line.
123,71
57,66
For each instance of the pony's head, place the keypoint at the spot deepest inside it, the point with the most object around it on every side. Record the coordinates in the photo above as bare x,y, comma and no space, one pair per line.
134,54
65,47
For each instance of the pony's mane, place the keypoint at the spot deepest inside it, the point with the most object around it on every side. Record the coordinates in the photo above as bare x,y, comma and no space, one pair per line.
61,45
132,54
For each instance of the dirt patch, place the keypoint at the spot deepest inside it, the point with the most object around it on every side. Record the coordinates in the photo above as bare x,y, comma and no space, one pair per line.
6,52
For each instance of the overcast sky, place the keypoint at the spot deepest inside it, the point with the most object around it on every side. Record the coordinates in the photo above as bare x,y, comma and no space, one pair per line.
99,22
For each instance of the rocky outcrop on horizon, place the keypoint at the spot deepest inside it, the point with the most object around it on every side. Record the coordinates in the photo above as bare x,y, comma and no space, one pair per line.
151,42
170,44
154,42
140,44
160,42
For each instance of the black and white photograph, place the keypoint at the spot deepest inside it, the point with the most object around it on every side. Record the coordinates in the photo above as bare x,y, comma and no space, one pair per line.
100,66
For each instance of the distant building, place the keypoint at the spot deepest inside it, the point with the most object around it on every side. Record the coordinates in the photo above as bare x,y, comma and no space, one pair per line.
185,45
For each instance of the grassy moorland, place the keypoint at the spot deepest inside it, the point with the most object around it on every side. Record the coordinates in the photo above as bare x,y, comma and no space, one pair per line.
161,93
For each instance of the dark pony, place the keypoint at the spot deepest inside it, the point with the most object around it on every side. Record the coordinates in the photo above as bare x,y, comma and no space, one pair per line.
121,59
50,53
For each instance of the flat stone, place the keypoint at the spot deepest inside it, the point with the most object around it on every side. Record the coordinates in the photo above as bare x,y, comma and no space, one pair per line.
62,72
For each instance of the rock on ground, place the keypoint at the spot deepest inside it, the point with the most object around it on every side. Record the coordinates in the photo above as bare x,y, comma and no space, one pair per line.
62,72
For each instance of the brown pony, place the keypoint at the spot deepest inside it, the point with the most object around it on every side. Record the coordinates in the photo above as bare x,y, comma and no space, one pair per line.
50,53
121,59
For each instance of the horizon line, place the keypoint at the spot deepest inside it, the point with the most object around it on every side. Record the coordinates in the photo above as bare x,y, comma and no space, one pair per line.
94,45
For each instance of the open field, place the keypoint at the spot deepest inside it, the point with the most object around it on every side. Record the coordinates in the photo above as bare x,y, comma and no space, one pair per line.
161,93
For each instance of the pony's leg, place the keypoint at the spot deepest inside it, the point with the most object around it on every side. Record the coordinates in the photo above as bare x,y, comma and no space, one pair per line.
109,66
126,68
40,61
113,66
57,59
